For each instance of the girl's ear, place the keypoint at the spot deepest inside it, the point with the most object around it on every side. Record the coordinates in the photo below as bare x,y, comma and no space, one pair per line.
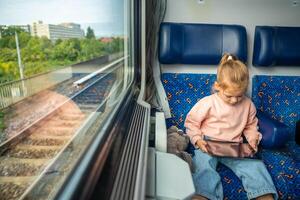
217,86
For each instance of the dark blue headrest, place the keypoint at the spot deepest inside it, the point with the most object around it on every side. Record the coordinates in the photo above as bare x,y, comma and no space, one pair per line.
200,43
276,46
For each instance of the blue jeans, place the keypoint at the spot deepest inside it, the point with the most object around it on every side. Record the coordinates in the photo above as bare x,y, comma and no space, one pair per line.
253,174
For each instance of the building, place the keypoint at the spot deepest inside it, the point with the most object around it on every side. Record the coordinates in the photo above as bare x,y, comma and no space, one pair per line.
54,32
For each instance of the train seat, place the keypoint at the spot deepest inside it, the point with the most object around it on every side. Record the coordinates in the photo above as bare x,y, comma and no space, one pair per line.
204,44
278,97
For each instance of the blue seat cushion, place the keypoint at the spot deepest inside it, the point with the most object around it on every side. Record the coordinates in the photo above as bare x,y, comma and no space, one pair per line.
285,172
274,133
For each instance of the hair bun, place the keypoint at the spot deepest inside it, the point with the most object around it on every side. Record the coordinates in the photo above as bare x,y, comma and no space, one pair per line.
227,57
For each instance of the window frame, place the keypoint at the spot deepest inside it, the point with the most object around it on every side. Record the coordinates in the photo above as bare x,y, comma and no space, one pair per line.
83,181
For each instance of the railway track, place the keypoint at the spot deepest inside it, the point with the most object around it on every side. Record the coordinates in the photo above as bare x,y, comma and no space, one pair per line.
19,115
25,156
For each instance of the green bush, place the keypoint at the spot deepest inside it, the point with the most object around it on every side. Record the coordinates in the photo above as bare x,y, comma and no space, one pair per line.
2,125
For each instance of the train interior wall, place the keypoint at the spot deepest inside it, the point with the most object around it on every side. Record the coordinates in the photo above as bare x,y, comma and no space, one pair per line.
243,12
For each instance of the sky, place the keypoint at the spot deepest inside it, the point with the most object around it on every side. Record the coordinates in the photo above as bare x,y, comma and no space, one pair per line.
105,15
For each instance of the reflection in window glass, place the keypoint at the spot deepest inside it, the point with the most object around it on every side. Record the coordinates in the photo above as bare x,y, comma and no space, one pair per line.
63,67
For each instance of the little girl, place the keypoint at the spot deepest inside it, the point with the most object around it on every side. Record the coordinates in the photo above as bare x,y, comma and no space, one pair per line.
227,115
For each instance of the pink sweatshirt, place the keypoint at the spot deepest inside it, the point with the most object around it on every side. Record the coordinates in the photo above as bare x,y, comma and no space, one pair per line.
213,117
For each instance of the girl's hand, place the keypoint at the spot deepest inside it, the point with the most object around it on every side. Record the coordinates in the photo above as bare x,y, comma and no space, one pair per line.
201,144
254,145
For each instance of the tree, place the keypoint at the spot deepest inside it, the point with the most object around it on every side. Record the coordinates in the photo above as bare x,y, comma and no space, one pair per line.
90,33
10,31
116,45
24,37
8,40
58,41
67,50
7,55
90,48
34,51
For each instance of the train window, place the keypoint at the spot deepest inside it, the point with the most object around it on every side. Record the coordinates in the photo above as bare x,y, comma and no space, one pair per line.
64,65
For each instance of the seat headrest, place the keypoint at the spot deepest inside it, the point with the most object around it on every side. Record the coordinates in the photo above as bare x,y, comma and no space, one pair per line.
276,46
200,43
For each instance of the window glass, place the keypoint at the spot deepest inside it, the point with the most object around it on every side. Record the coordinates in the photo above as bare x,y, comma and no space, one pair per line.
64,65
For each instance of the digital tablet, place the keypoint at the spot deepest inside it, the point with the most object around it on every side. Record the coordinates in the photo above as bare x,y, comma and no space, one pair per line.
227,148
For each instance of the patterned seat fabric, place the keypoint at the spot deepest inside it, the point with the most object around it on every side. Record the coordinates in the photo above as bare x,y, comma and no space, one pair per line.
279,97
184,90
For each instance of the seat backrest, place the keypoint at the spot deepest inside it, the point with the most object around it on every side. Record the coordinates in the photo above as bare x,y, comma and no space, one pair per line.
200,43
274,46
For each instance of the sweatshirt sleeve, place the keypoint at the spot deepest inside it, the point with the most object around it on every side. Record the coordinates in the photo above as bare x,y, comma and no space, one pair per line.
251,133
194,119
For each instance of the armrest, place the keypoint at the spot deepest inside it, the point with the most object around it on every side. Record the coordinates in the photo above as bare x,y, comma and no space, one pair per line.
160,132
274,133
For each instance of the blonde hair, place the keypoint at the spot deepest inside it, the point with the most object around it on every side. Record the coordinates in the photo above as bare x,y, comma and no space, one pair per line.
232,73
